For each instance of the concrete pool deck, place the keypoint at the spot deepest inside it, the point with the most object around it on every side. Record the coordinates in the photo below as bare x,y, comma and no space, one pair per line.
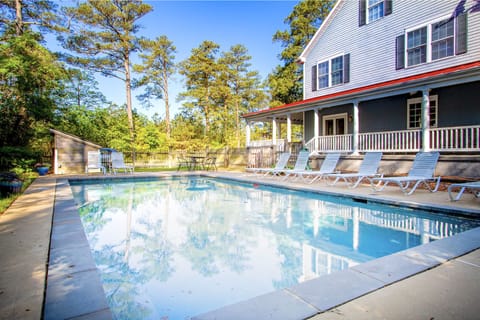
439,280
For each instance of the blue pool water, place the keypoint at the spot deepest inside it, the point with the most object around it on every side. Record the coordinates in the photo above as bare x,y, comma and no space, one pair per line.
175,248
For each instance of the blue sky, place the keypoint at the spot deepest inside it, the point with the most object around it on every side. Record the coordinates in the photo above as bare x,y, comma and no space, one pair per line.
189,23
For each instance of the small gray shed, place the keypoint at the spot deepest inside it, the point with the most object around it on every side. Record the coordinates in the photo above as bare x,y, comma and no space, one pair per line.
70,152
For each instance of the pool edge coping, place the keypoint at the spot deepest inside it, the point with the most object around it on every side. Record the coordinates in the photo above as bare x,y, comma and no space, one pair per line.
303,300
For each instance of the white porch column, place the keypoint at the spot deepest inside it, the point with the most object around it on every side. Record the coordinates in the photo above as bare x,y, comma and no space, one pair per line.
355,130
247,134
274,130
289,128
425,120
316,128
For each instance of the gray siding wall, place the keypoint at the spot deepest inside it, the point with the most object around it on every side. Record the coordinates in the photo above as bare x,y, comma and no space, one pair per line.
372,46
459,105
309,126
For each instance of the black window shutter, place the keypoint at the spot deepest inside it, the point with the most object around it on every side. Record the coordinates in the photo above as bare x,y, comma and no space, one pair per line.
400,52
314,78
461,32
346,68
362,12
387,7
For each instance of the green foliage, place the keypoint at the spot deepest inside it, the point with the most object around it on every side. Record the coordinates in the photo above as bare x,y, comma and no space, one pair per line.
286,81
156,69
103,40
18,159
219,88
29,74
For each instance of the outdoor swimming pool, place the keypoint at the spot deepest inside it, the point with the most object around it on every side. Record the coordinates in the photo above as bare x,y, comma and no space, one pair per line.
177,247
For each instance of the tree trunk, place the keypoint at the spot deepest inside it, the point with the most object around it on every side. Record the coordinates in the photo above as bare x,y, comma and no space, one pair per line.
128,87
167,106
18,17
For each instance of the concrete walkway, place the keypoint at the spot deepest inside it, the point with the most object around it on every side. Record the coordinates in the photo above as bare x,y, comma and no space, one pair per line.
446,289
24,245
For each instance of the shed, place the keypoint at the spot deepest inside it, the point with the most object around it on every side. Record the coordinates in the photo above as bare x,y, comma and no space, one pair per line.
70,152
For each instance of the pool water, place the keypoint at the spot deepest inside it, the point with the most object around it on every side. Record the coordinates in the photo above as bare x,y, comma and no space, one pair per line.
178,247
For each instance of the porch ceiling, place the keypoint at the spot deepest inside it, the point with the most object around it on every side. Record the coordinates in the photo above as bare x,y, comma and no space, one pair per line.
296,118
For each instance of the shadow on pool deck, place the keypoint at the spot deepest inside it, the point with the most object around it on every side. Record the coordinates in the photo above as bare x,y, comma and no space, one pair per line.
439,280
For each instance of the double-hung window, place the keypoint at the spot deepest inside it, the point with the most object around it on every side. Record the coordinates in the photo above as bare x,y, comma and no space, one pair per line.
414,112
331,72
442,39
373,10
433,41
417,46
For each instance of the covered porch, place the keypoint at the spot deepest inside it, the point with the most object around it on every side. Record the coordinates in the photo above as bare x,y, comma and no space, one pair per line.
427,112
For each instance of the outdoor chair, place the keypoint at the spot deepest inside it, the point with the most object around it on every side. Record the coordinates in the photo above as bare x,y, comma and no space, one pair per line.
368,170
300,165
474,187
94,162
328,166
183,162
119,164
281,164
210,163
422,172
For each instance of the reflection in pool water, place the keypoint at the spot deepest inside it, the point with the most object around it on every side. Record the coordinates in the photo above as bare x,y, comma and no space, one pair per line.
175,248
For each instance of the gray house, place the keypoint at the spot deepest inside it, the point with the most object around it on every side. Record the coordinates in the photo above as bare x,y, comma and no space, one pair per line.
391,76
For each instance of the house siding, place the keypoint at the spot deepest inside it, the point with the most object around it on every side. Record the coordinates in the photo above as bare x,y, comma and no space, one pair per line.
459,105
372,46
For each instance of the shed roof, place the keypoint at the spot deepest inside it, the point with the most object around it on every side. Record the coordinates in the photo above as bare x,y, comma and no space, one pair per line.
75,138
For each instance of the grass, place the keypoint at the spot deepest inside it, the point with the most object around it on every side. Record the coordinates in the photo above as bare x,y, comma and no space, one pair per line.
6,201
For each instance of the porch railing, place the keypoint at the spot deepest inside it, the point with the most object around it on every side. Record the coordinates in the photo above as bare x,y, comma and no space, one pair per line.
448,139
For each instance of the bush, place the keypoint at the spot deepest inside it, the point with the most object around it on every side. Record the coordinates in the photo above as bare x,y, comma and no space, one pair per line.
17,159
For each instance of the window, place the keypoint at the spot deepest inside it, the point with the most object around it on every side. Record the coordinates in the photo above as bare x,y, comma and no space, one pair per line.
417,46
442,39
331,72
433,41
372,10
375,10
337,70
323,75
414,112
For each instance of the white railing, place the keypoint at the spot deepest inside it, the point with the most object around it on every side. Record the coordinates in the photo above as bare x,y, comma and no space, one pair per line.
330,143
455,138
403,140
451,139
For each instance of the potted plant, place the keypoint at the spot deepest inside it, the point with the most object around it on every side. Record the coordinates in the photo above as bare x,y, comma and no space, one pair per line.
42,168
10,183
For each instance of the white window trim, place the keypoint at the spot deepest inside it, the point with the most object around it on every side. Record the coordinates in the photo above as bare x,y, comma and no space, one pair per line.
419,100
329,60
333,117
429,40
367,7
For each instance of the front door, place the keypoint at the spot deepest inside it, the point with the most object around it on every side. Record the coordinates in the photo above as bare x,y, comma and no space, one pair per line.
335,124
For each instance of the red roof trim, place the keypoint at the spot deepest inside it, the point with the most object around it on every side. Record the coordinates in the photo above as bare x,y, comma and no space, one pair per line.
372,86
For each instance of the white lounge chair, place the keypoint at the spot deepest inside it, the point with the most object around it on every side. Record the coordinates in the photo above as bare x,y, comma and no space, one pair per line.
472,186
280,165
119,164
328,166
422,171
94,162
368,170
300,165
